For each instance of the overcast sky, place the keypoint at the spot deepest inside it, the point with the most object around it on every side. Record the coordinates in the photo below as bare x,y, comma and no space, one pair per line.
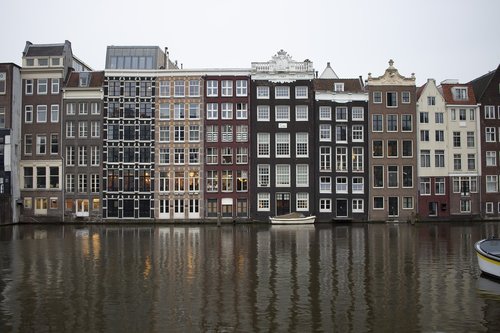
440,39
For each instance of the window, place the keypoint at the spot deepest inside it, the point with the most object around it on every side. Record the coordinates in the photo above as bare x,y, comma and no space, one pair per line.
341,185
227,181
211,155
440,185
325,113
241,180
41,177
424,117
212,111
378,202
41,113
227,88
358,185
178,133
226,133
242,133
282,175
95,108
262,92
341,159
325,132
391,99
405,97
377,123
194,88
424,135
28,114
407,202
242,155
164,155
41,144
178,156
338,86
341,133
456,140
407,176
42,86
392,123
377,97
28,87
263,175
82,183
82,129
302,175
226,111
194,156
357,133
282,144
425,158
357,113
54,143
241,87
489,112
70,183
179,88
94,183
28,144
377,148
194,111
341,113
263,113
392,176
55,86
226,155
212,133
95,129
129,89
457,162
301,113
282,113
439,136
212,88
302,201
439,117
70,155
439,158
378,176
431,100
302,144
164,89
28,177
425,186
357,159
406,123
300,92
357,205
325,184
241,110
212,181
471,138
194,133
179,111
263,145
83,108
462,115
459,94
263,201
491,184
325,205
392,148
491,134
95,155
489,208
491,158
82,155
282,92
453,114
471,162
325,158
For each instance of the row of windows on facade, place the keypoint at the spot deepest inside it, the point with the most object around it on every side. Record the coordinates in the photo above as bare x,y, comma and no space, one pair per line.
439,160
42,86
302,203
42,115
179,88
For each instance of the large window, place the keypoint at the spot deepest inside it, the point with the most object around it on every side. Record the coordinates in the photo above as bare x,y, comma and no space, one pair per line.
325,158
341,159
282,113
263,175
41,113
282,175
212,88
378,176
377,123
263,201
282,144
391,99
357,159
241,87
439,159
302,175
491,158
425,158
282,92
263,145
325,132
302,144
263,113
491,183
227,88
325,184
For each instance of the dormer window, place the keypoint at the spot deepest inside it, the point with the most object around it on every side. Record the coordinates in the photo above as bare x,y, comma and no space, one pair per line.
338,86
55,61
30,62
84,79
460,94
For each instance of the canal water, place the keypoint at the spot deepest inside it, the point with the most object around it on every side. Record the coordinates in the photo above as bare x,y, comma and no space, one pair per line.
246,278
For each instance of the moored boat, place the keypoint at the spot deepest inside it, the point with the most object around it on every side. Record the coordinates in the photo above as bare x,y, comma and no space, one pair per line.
488,256
292,218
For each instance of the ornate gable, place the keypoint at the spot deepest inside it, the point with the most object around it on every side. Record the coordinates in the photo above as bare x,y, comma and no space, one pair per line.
391,77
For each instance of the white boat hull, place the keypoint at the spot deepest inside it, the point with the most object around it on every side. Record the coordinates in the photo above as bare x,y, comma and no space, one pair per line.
489,262
292,221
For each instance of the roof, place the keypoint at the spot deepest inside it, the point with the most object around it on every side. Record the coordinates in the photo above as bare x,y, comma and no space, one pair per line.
44,50
328,73
96,80
481,83
446,91
350,85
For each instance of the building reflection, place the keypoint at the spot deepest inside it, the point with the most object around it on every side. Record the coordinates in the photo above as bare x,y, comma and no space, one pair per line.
356,278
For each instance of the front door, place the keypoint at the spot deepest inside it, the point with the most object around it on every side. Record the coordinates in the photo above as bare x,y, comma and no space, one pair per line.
341,208
282,203
393,207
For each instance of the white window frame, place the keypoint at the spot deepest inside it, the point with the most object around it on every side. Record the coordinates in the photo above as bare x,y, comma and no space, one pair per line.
262,92
282,92
301,92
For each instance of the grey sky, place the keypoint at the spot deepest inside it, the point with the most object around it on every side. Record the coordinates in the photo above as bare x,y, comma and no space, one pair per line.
441,39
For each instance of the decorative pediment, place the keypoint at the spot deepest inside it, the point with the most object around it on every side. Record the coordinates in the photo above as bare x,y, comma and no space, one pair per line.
282,64
391,77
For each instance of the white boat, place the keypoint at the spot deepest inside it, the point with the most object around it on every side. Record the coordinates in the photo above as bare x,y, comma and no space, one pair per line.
292,218
488,256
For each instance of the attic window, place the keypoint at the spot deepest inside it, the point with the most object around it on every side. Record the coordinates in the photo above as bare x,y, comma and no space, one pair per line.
43,62
84,79
339,86
460,94
55,61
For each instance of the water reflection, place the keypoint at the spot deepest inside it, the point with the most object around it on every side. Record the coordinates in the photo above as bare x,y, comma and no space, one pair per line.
359,278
